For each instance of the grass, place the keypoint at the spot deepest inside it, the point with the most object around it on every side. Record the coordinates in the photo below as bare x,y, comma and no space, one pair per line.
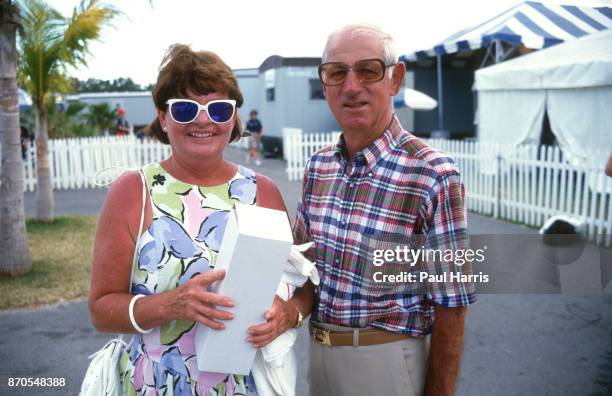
61,262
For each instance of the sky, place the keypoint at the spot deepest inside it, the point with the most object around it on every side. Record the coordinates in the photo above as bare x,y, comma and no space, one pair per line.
244,33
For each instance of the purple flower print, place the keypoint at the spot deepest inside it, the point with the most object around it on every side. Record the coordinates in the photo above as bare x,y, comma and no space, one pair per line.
169,238
212,229
171,362
244,189
193,268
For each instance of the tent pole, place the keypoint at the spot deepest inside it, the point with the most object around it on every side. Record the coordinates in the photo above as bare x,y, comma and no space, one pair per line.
440,100
499,52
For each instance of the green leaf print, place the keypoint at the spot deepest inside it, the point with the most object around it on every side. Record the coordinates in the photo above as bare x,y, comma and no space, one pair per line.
216,197
170,332
166,191
123,362
169,199
168,275
240,386
126,370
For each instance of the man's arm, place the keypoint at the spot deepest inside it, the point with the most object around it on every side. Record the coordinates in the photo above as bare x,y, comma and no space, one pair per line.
445,352
447,230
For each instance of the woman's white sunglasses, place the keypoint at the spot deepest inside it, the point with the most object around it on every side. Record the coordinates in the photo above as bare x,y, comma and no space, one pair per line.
184,111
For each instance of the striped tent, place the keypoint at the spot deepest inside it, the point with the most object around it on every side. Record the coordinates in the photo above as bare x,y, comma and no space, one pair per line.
531,24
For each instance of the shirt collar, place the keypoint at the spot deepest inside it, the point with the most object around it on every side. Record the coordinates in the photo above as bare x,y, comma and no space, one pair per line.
377,150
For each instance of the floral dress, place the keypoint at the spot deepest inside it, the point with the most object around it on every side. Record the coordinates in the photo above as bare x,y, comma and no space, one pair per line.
182,241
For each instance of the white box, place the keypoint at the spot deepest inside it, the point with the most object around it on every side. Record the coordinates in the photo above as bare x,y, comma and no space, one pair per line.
253,253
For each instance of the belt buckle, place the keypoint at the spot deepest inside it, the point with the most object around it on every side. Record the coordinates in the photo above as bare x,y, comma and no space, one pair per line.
321,336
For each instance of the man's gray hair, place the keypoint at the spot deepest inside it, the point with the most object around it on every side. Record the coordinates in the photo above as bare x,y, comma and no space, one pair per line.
364,29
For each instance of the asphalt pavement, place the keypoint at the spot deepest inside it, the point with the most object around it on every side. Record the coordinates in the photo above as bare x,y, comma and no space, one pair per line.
515,344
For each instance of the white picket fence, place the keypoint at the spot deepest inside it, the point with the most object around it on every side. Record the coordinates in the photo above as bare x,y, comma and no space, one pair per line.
75,162
298,147
526,185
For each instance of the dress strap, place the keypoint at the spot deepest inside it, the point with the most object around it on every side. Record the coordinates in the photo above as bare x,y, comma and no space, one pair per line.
110,180
142,211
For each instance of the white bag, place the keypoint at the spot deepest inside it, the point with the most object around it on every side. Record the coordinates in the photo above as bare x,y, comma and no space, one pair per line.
275,366
102,375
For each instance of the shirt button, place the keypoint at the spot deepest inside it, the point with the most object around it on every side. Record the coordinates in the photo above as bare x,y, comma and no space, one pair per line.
369,174
337,261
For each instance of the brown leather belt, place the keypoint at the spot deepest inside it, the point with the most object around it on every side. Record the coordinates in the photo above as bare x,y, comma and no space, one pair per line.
358,337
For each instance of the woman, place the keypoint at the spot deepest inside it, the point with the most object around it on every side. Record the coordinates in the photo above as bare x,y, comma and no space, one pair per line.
189,198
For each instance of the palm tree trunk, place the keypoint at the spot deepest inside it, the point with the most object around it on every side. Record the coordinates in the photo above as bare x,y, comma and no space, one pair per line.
44,187
14,254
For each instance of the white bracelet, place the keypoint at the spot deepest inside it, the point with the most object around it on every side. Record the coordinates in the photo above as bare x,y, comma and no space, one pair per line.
131,313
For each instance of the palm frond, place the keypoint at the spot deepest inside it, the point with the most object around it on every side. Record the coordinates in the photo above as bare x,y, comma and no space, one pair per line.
43,30
52,42
85,25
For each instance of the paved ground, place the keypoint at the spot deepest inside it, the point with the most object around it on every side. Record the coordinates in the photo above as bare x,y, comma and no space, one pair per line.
514,344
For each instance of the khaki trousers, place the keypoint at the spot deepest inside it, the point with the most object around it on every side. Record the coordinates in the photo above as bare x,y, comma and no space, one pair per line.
395,368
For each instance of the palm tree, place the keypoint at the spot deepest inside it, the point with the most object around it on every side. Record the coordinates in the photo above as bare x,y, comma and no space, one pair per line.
51,44
15,258
101,116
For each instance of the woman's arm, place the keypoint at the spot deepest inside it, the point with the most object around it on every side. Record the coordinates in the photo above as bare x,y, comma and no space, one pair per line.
109,295
283,315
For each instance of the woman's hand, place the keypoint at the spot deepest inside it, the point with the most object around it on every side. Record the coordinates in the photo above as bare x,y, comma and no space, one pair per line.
192,301
281,317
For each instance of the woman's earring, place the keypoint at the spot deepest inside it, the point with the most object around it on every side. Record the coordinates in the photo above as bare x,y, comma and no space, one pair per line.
164,129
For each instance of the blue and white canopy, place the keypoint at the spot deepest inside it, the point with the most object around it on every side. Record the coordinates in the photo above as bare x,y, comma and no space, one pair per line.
533,24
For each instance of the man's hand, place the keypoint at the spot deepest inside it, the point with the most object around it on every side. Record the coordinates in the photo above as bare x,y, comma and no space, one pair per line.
281,317
445,353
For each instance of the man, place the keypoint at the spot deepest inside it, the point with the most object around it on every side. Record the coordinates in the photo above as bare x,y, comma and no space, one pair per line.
254,127
122,126
378,181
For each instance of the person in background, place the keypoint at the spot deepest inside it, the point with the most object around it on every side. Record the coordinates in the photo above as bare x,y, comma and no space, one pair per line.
189,199
122,128
26,141
609,166
379,182
141,134
255,128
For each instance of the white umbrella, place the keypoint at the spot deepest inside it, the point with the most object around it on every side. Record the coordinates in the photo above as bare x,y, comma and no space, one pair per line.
414,99
24,99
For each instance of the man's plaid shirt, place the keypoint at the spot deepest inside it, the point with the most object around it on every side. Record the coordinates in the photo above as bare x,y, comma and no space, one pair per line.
396,186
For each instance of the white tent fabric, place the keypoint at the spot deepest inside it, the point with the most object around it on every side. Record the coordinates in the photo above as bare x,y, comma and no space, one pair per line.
572,82
584,62
522,126
581,119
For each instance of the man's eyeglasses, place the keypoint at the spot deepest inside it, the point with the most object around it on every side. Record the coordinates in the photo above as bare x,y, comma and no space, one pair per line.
367,70
184,111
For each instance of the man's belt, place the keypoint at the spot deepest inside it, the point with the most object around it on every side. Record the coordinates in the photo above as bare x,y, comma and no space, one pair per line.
356,337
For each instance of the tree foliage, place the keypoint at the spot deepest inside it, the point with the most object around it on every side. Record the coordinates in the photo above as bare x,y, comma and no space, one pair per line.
52,44
102,116
117,85
78,119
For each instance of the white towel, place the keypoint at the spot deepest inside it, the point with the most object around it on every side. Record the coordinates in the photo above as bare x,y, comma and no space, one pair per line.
275,367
